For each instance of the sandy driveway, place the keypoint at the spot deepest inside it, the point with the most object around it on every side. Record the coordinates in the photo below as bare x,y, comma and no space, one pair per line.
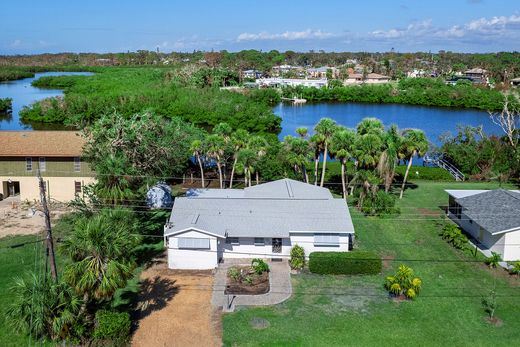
176,309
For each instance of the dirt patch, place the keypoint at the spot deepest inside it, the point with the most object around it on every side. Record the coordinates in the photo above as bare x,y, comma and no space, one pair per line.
259,323
429,212
495,321
249,282
175,309
23,218
387,261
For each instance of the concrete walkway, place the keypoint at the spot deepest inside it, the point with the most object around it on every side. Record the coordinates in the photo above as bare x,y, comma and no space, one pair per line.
279,291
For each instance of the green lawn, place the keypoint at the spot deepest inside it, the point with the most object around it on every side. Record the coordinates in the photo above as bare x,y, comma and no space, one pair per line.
354,310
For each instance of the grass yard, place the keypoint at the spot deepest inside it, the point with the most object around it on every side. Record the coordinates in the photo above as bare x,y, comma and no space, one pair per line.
355,310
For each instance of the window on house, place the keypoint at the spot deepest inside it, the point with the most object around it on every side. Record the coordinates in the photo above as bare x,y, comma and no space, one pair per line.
77,164
28,164
232,241
77,187
259,241
192,243
42,164
327,240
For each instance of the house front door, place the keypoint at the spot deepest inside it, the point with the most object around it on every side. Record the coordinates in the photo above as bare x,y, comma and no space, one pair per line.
277,245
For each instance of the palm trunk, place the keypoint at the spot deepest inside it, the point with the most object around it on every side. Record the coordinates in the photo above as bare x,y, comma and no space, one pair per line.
233,172
201,170
406,175
325,153
249,177
219,173
257,177
305,175
343,183
316,164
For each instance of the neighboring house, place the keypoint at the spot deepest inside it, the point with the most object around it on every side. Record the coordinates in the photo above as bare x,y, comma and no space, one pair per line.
478,75
290,82
454,79
56,154
321,72
251,74
515,82
371,78
262,221
492,217
416,73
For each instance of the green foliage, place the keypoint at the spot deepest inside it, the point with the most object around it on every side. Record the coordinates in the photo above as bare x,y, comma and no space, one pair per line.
414,91
404,283
234,273
259,266
297,260
424,173
345,263
515,267
494,260
44,309
112,326
5,104
490,303
57,82
379,204
452,233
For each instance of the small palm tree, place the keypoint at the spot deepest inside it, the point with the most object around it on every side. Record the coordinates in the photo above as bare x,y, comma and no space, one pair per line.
297,152
389,157
515,268
494,260
197,150
414,143
246,164
404,283
114,180
302,131
260,146
101,249
317,143
326,127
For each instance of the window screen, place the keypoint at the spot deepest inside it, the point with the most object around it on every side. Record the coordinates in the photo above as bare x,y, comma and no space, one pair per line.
28,164
259,241
77,164
326,240
232,240
193,243
42,164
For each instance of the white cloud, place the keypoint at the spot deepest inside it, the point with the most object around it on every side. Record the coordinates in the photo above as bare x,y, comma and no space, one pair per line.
288,35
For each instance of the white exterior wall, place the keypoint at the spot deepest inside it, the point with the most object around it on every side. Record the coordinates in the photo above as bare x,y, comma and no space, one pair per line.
196,259
512,246
247,249
306,240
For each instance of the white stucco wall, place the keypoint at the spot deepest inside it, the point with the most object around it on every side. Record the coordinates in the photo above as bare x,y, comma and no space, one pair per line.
59,188
306,240
512,246
196,259
247,249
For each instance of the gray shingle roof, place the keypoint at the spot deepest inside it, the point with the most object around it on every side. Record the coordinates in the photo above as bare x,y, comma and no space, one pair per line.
495,210
267,210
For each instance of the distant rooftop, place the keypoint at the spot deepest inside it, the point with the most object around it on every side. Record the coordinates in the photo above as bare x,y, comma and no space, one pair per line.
41,144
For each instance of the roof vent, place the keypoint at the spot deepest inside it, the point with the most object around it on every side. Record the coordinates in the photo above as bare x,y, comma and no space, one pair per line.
195,218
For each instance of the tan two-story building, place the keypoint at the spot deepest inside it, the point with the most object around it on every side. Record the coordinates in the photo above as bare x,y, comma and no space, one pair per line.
55,154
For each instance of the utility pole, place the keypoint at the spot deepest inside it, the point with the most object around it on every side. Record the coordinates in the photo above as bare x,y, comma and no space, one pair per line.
50,244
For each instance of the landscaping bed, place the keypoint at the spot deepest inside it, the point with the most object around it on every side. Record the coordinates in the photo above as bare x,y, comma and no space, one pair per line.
247,280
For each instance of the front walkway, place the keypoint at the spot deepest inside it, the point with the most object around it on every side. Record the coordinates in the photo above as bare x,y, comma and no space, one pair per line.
279,282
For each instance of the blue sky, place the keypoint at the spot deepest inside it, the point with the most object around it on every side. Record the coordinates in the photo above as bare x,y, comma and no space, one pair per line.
30,26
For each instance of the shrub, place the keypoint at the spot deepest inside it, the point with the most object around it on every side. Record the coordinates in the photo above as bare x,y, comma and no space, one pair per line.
424,173
494,260
379,204
234,273
114,326
515,267
404,283
345,263
259,266
454,236
297,260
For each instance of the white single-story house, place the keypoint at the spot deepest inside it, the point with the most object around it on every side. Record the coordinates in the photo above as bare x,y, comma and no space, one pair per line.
491,217
263,221
291,82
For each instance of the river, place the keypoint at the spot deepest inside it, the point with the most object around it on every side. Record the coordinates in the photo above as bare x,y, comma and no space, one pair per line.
24,94
434,121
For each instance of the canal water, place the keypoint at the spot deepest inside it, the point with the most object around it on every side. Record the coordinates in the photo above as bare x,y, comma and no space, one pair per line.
23,94
434,121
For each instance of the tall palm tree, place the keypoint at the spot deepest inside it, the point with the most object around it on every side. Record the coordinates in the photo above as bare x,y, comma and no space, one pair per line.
298,154
316,142
215,147
341,148
225,131
370,125
260,146
414,143
247,159
239,141
326,128
390,156
197,150
101,249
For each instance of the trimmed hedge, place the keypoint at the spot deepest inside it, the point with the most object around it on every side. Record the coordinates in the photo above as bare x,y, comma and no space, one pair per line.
425,173
345,263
